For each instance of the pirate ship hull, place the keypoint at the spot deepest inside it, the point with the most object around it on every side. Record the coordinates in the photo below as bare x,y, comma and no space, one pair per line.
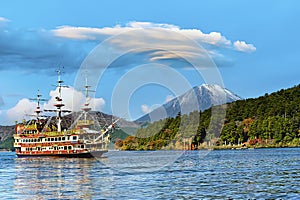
60,154
81,143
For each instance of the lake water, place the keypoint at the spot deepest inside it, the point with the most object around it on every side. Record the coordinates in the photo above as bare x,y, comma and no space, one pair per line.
224,174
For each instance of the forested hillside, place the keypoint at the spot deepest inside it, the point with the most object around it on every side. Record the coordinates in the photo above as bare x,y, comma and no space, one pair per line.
273,117
270,120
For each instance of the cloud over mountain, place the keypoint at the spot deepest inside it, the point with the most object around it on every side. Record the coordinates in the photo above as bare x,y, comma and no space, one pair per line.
38,49
159,42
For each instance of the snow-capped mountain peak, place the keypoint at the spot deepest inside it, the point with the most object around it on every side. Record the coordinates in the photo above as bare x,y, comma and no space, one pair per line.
198,98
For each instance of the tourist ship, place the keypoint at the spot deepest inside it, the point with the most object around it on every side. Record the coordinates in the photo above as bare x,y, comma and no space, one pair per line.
40,137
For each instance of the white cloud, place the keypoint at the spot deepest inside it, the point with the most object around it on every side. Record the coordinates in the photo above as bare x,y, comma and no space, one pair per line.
39,50
158,32
97,103
164,41
4,20
72,99
244,47
169,98
18,112
145,109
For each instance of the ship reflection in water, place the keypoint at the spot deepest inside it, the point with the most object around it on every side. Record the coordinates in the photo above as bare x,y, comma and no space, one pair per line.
224,174
56,178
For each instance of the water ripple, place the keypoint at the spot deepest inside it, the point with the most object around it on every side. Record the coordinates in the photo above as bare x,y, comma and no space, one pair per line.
230,174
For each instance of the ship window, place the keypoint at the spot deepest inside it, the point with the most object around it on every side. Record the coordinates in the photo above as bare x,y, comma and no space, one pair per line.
34,140
82,146
74,137
52,139
63,138
59,139
65,147
55,139
69,147
68,138
48,139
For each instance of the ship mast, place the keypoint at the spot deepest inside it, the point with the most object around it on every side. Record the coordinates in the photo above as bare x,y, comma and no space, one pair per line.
86,107
38,108
59,104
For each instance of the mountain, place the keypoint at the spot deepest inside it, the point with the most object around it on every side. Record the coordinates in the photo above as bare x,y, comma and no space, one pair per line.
198,98
272,120
6,132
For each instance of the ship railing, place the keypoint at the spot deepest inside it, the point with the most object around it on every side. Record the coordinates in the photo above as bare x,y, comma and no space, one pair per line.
45,134
45,144
55,133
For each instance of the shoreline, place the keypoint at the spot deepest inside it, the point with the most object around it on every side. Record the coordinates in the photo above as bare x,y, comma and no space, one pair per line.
236,147
251,147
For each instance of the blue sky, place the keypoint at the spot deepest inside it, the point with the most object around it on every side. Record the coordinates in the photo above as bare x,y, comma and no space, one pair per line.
253,44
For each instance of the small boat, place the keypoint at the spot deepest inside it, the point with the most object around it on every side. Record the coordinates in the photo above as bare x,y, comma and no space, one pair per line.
40,137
